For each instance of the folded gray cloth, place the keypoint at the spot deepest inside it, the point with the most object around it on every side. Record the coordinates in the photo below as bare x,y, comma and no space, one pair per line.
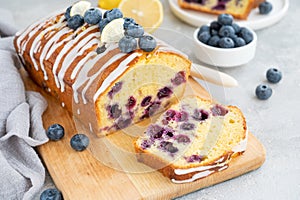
21,128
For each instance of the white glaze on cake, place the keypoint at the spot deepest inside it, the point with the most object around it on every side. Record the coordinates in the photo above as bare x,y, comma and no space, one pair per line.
73,44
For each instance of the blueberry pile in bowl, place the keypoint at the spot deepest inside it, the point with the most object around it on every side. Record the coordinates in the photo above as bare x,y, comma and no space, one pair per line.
223,43
224,33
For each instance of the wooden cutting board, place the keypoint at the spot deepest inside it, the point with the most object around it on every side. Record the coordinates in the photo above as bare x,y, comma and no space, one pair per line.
109,170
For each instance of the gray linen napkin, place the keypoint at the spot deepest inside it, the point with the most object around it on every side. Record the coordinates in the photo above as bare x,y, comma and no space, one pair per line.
21,172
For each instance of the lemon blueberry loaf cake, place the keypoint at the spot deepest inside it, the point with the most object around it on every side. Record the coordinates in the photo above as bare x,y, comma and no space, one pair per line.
107,82
193,139
240,9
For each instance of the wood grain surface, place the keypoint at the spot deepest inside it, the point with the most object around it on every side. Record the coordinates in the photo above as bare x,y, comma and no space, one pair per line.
109,170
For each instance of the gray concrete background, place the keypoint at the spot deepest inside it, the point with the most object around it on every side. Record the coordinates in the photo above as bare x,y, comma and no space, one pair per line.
274,122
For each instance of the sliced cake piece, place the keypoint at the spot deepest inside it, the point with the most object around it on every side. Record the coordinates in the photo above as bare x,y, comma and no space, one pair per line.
193,139
240,9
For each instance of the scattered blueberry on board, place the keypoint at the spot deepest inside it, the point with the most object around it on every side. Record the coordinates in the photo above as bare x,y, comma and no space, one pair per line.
79,142
265,8
263,92
274,75
51,194
224,33
55,132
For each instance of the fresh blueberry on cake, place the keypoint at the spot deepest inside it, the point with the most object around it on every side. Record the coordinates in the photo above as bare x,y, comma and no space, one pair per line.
194,146
239,9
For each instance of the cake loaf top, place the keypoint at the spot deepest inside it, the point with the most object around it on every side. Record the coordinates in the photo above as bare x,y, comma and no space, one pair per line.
77,57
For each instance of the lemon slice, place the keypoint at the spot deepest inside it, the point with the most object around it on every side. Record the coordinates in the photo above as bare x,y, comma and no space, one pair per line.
147,13
80,7
113,31
108,4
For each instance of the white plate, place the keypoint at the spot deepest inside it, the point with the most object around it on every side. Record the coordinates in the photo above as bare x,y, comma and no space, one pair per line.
254,21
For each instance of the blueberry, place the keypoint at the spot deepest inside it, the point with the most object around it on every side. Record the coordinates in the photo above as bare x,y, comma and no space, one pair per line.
246,35
168,146
215,25
67,13
274,75
164,92
179,78
103,23
75,22
226,42
265,8
183,139
146,101
200,115
51,194
55,132
79,142
214,41
219,110
187,126
147,43
236,28
226,31
92,16
203,28
131,102
128,21
123,123
204,37
214,32
134,30
101,49
113,14
127,44
239,42
225,19
263,92
114,111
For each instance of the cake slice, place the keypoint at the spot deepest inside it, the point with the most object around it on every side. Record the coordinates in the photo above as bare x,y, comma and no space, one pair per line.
239,9
193,139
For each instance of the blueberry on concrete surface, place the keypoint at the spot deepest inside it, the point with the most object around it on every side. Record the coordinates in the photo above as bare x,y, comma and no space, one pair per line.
51,194
55,132
274,75
263,92
79,142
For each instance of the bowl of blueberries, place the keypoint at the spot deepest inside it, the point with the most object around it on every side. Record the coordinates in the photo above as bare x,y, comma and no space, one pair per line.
224,43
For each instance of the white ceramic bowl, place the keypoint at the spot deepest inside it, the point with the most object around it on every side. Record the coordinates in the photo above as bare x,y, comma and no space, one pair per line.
224,57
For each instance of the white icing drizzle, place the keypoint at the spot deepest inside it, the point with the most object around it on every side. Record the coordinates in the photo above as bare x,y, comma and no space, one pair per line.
83,74
37,40
91,128
195,177
84,44
93,77
114,74
78,111
49,90
65,49
49,43
81,63
63,104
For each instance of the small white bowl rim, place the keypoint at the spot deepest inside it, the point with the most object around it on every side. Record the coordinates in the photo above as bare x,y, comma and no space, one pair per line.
225,49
